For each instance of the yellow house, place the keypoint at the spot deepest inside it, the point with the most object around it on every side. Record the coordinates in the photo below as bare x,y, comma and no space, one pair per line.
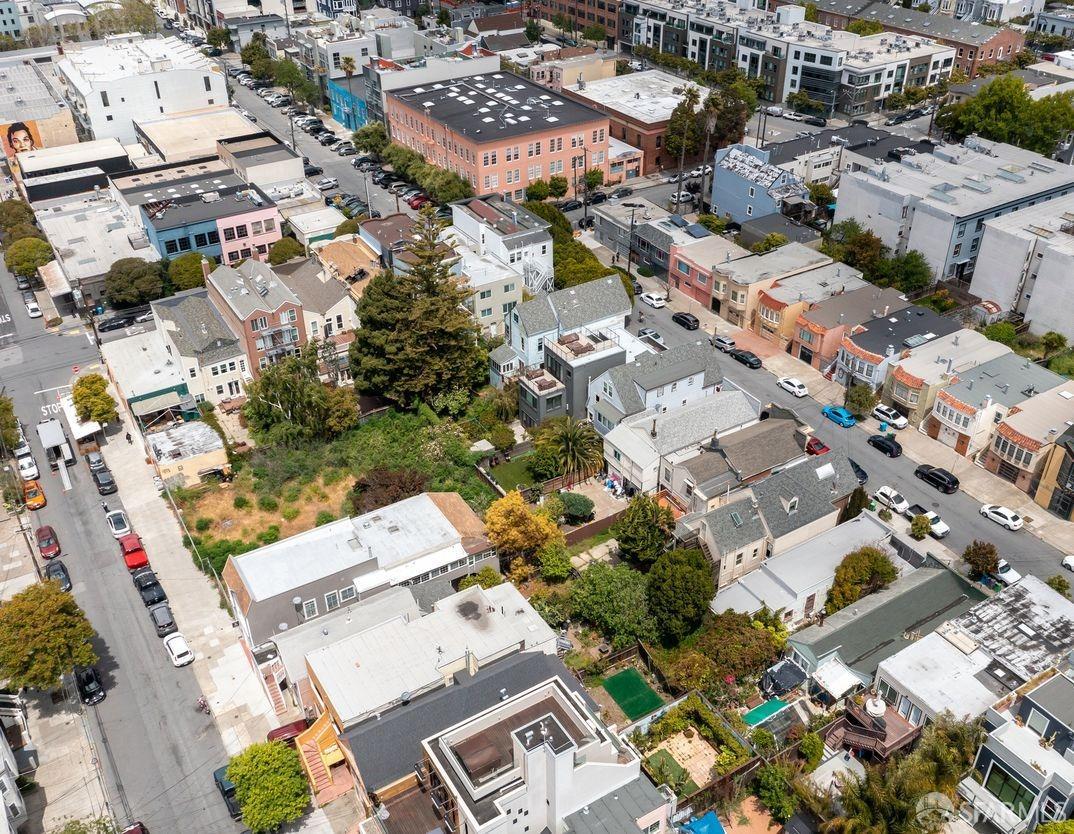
779,306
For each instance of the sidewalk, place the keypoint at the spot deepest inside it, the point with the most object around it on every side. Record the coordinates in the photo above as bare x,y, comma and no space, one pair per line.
239,705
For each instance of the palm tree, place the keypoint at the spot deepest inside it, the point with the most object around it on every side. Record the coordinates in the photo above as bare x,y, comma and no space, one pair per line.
689,102
575,445
349,68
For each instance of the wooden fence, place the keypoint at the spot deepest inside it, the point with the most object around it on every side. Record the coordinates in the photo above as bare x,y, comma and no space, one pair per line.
579,534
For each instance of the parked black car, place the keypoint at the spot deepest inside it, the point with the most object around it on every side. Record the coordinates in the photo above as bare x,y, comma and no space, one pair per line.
148,587
312,171
859,473
891,448
115,323
624,191
816,121
58,570
88,682
596,198
103,480
746,357
570,205
687,320
937,477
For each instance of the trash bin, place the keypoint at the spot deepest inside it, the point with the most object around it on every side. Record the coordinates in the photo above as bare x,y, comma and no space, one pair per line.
883,427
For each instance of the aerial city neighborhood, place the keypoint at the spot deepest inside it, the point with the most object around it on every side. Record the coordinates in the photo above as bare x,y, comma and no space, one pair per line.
556,416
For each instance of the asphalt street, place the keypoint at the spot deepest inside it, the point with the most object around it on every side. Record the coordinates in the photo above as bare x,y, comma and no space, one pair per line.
157,752
1022,549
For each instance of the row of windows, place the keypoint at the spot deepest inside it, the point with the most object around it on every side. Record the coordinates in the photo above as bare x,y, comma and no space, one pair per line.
332,601
470,560
202,240
956,418
1020,457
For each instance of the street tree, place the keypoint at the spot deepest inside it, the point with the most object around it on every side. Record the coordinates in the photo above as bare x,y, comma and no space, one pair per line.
643,530
9,426
614,600
680,589
593,179
417,339
1059,584
219,37
20,231
43,636
349,67
862,572
860,399
185,272
14,213
98,825
982,558
515,529
533,29
557,186
26,256
537,190
920,527
132,281
595,32
284,250
92,401
270,785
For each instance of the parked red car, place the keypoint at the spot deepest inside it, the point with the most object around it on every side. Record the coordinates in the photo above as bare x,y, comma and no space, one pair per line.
417,201
289,732
134,555
47,542
815,446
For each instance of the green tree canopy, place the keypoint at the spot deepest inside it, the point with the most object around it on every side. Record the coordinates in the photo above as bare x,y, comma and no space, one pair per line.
533,29
615,602
594,32
555,561
1005,112
680,589
270,785
575,445
92,401
185,272
14,213
284,249
981,557
43,636
860,399
558,186
865,27
26,256
643,530
219,37
349,226
537,190
487,577
132,281
862,572
683,134
1001,331
288,402
772,240
9,424
417,340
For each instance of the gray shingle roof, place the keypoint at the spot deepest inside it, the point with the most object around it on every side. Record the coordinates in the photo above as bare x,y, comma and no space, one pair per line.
575,307
303,278
757,449
653,370
1057,697
691,424
1007,379
618,811
200,331
252,287
733,526
502,355
387,748
923,23
816,483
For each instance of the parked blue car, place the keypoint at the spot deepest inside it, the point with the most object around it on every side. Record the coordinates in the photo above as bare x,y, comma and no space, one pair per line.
839,415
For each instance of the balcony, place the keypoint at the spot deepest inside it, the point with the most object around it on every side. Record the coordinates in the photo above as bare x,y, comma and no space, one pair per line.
541,382
576,346
858,730
991,807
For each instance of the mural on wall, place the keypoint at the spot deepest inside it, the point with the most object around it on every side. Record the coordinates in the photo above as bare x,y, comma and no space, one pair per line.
18,137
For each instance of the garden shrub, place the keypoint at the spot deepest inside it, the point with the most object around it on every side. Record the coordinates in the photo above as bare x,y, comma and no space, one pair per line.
240,502
268,503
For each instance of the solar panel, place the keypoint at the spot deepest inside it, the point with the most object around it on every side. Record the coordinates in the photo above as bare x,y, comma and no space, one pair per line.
679,220
697,230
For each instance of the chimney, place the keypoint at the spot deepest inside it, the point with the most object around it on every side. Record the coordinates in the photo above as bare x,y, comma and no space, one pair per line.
652,431
950,362
206,268
886,308
890,351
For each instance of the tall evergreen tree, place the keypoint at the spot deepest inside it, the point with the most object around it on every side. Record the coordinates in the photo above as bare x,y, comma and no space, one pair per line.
416,338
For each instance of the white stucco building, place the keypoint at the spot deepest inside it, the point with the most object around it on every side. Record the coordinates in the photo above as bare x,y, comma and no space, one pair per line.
129,77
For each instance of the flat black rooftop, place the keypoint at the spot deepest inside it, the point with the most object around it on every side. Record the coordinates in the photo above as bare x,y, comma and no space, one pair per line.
907,328
499,105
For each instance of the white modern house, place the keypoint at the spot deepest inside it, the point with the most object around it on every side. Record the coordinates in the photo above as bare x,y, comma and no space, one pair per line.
126,78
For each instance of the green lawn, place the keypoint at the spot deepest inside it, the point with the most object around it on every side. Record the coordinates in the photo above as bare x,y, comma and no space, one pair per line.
662,764
513,473
634,696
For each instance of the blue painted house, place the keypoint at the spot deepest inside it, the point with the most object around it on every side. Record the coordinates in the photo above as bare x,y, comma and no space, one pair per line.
746,186
348,108
1026,763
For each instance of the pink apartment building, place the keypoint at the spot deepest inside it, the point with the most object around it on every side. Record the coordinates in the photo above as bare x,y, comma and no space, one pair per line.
818,332
499,131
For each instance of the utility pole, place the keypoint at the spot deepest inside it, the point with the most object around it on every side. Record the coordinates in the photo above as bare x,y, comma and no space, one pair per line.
585,183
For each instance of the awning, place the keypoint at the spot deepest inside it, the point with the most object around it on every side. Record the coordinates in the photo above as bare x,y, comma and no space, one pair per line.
782,678
55,281
151,405
79,429
835,678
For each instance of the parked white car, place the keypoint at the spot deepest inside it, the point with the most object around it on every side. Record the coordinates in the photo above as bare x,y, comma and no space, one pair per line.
1002,515
327,183
892,499
681,197
28,469
653,299
118,524
178,650
33,310
1006,574
890,416
793,385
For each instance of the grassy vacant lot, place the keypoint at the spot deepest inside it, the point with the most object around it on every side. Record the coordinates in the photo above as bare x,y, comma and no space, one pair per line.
281,491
